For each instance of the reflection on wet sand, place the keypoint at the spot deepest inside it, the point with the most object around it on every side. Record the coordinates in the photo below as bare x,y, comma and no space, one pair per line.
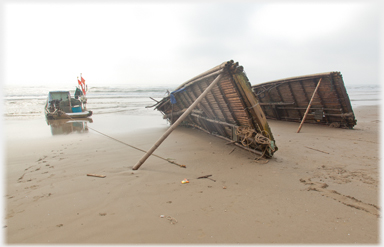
67,126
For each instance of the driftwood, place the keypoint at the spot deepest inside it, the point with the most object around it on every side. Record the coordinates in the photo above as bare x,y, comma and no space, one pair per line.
207,176
96,175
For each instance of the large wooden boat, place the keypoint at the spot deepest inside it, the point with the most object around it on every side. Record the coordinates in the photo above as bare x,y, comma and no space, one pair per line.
289,99
229,109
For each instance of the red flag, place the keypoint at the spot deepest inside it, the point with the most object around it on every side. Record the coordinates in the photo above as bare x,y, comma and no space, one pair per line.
79,81
82,80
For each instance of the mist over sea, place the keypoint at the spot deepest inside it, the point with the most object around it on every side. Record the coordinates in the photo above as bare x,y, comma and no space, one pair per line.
23,102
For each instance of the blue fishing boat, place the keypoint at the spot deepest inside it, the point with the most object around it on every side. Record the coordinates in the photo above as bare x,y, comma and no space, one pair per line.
61,105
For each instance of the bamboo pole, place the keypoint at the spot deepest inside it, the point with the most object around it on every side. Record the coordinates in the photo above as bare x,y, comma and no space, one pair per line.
178,121
309,105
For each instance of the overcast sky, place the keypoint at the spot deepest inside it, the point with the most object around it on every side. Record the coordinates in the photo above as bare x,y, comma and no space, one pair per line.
134,43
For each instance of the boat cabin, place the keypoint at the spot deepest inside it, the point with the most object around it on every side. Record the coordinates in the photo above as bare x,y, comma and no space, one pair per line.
62,100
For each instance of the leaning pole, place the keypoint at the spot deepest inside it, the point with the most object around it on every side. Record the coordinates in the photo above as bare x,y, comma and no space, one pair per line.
178,121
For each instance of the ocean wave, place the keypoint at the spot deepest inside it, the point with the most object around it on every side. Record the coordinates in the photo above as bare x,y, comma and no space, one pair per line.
128,89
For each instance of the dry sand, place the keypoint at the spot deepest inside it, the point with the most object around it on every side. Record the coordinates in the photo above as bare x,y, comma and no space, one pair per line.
321,186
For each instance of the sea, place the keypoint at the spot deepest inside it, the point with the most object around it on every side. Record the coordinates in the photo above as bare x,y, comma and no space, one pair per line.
26,102
118,107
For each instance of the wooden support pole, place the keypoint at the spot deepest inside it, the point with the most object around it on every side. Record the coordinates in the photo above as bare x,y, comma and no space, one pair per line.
178,121
309,105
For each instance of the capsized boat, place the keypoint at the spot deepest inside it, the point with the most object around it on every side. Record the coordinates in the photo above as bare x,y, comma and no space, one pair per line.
229,109
322,96
61,105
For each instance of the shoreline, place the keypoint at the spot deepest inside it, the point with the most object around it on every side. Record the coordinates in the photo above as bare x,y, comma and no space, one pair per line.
321,182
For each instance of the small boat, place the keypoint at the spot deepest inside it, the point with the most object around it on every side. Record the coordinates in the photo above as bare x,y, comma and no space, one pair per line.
61,105
317,98
228,108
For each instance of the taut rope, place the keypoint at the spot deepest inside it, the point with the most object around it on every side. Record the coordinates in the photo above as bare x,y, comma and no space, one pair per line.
170,161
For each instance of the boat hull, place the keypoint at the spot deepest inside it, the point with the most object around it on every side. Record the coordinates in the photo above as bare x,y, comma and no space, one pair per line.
288,100
229,110
64,115
60,105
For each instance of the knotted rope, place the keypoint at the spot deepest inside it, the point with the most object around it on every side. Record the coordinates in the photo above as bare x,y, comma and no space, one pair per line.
247,136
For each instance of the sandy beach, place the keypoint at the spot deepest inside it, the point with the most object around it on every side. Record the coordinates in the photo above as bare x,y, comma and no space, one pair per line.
321,186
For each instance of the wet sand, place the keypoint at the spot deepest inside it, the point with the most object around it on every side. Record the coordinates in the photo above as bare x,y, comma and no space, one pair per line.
321,186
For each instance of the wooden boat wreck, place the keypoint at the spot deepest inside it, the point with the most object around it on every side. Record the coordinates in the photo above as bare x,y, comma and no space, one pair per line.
317,98
229,109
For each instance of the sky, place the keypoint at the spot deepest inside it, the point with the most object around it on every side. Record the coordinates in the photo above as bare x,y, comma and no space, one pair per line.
167,43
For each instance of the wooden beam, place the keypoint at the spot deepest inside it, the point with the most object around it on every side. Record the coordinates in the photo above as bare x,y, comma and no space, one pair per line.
208,126
294,98
309,105
282,100
178,121
321,101
276,103
212,113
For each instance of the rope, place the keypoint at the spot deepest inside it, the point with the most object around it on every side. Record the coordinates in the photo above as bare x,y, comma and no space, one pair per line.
247,133
260,138
170,161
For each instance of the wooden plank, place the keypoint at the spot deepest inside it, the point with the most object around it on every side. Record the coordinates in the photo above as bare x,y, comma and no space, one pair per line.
294,99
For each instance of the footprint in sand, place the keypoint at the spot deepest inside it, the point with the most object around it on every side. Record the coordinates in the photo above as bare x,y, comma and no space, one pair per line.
10,214
21,178
41,159
26,169
33,187
35,198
